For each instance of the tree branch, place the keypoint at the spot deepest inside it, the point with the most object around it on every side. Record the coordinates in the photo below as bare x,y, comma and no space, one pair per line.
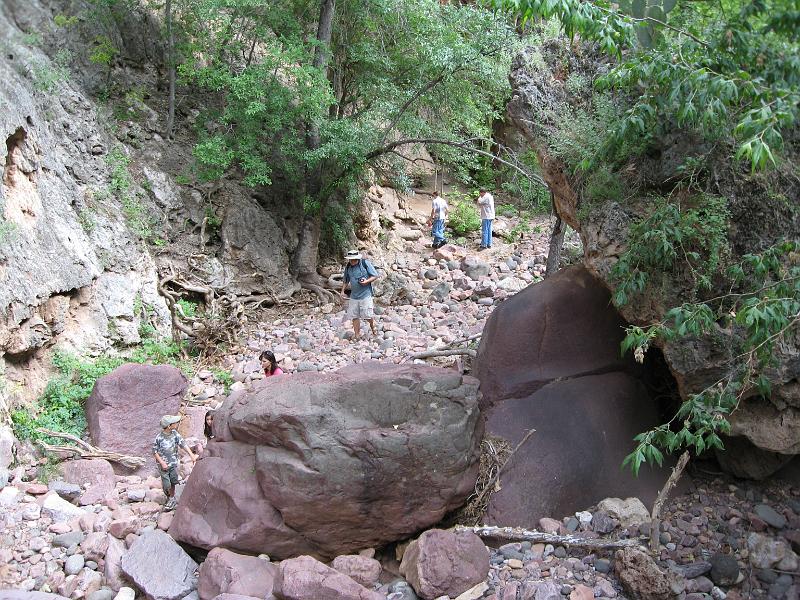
463,145
517,534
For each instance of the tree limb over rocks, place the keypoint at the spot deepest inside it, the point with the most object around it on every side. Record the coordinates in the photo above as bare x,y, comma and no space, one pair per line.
518,534
85,450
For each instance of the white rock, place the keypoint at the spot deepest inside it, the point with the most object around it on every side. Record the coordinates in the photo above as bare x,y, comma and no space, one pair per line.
58,509
125,593
628,512
584,517
9,496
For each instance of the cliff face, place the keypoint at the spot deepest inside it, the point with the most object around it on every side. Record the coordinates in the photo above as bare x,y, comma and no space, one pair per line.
545,91
95,205
71,271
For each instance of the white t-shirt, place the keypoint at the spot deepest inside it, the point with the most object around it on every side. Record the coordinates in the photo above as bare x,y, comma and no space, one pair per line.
487,206
439,207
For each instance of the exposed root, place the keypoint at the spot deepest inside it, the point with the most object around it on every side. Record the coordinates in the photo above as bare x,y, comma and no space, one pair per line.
324,296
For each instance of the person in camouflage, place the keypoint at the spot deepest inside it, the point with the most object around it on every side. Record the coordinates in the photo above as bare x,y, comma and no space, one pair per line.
165,451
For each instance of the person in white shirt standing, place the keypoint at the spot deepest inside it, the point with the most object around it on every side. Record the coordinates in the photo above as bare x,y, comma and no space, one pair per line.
437,218
486,202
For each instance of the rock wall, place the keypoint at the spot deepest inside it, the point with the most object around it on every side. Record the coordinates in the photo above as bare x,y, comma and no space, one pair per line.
96,206
71,272
541,97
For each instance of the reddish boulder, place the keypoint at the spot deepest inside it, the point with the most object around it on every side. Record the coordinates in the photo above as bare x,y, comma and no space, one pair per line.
550,360
193,424
304,577
563,327
125,407
353,459
361,569
97,474
445,563
225,572
223,505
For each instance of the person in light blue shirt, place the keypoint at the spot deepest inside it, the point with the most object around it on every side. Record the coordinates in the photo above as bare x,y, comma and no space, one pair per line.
359,275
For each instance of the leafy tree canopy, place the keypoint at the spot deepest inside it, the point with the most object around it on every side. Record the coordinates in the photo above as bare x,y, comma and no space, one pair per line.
720,67
397,68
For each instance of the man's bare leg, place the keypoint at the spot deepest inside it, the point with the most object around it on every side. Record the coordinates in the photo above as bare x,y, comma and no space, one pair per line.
356,329
372,326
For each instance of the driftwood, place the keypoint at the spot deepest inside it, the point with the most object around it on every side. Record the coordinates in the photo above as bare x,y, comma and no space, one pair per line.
655,514
517,534
451,352
448,350
84,450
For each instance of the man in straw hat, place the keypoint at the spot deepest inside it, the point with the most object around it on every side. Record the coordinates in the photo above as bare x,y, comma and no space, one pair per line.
165,450
359,275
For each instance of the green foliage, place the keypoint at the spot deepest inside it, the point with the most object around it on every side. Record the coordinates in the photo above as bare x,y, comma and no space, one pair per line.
506,210
463,218
47,76
103,51
764,308
582,133
187,307
398,69
61,406
121,187
531,195
225,378
62,20
213,221
7,228
603,184
522,227
670,239
86,220
731,71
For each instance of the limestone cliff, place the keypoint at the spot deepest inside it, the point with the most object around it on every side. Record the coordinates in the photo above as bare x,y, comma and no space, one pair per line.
95,204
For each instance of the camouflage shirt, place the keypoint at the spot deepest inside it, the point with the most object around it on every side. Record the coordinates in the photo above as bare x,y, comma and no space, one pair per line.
166,446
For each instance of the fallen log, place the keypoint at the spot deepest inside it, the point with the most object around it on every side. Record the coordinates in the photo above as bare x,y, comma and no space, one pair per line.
518,534
451,352
85,450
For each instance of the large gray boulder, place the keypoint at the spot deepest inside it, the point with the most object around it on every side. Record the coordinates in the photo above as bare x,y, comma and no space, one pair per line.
332,463
159,567
125,407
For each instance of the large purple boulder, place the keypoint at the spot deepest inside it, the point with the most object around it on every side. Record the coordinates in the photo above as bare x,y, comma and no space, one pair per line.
328,464
125,407
550,360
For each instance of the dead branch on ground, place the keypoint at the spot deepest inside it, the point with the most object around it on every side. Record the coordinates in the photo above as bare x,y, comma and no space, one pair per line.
655,514
451,352
85,450
517,534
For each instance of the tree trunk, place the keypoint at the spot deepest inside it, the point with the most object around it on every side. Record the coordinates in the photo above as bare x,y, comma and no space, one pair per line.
170,69
304,260
554,252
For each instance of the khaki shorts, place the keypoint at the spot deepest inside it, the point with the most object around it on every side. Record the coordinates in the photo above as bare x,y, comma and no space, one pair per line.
360,309
169,479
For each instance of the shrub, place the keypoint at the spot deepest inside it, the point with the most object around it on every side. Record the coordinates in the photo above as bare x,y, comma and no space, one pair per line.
60,407
464,218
